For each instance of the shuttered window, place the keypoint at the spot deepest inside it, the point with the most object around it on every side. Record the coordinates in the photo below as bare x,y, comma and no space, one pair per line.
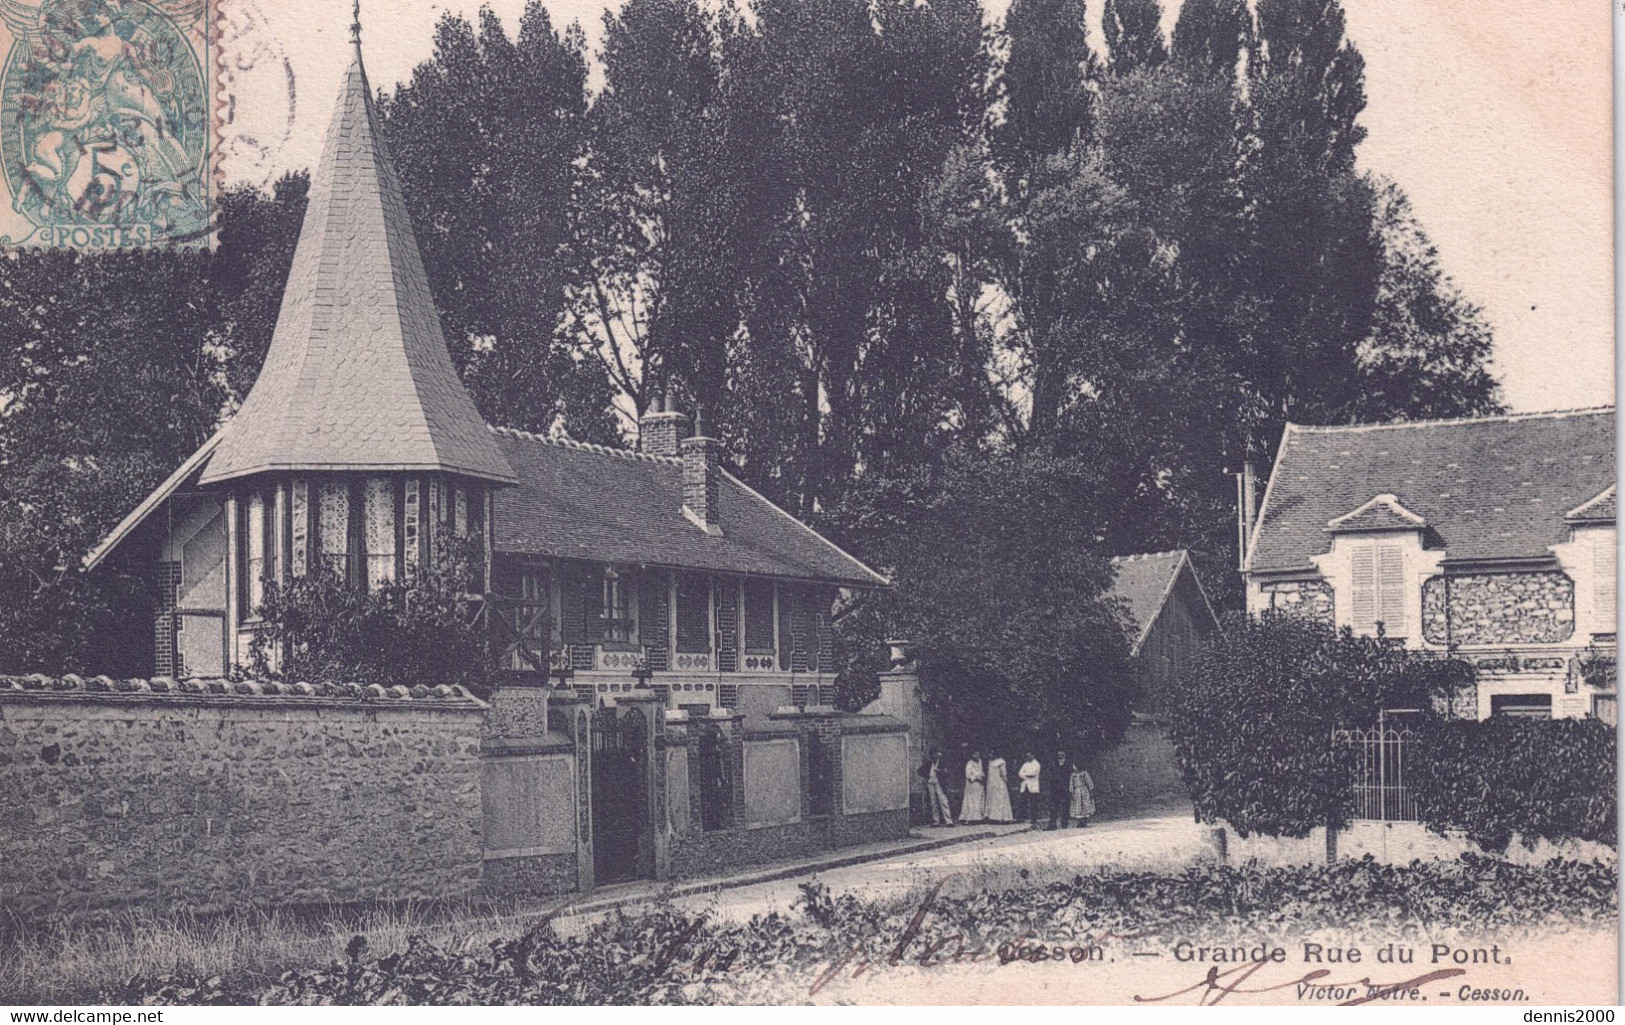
1603,569
758,615
1378,588
693,613
581,611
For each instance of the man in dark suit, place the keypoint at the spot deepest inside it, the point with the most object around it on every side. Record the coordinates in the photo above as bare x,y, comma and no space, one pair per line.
1056,774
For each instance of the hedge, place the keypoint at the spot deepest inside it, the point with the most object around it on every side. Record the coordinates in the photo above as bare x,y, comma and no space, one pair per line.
1253,719
1253,723
1504,777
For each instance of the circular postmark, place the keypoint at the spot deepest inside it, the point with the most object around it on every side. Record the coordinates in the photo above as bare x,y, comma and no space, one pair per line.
105,124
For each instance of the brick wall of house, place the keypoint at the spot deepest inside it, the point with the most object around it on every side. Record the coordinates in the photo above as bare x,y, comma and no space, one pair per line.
1499,608
211,795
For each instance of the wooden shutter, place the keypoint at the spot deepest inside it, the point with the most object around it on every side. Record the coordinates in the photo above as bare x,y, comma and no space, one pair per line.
788,597
654,615
1363,588
758,616
693,613
581,602
1391,589
727,599
1603,569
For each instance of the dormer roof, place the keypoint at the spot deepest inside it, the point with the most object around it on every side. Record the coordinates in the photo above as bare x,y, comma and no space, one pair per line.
1382,513
358,376
1597,510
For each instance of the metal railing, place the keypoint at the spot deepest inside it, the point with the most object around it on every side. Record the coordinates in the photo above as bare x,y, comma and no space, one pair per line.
1381,762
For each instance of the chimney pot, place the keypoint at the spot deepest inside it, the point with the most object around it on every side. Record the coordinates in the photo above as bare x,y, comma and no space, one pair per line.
661,429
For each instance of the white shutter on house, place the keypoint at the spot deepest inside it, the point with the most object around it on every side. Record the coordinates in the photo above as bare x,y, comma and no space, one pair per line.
1363,592
1603,568
1391,589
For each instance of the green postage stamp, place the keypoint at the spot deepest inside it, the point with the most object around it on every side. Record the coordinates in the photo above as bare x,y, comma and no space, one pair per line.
106,124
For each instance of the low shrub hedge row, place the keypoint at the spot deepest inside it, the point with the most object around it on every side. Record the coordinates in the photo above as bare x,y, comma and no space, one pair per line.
666,956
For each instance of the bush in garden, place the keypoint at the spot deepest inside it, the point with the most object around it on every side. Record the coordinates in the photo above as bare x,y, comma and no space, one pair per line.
1254,718
424,628
1531,778
663,955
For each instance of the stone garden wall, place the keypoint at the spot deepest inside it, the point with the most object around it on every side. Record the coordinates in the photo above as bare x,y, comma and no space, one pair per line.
1139,775
210,795
1499,608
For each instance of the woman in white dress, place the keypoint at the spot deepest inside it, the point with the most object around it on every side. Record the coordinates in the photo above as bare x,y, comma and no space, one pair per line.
998,792
972,808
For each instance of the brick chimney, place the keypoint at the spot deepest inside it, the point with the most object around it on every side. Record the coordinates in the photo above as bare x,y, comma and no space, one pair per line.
662,429
700,474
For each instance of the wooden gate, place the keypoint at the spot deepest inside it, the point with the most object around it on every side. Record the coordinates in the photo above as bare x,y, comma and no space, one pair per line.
622,837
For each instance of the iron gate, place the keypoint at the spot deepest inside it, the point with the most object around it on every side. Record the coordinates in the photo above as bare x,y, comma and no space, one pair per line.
715,764
620,813
1382,756
820,776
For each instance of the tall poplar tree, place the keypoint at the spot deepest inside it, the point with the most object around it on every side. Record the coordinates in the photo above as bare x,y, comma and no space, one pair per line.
846,362
658,214
486,136
1211,35
1133,30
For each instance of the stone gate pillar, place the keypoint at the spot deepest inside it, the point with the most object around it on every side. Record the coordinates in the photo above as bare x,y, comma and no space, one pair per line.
570,714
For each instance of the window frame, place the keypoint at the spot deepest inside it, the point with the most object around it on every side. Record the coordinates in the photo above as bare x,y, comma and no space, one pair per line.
1531,701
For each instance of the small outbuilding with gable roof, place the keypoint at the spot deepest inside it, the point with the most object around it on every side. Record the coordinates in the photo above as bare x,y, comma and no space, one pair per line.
1167,618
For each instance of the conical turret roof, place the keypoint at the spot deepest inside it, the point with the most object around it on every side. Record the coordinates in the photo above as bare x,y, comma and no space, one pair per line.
358,376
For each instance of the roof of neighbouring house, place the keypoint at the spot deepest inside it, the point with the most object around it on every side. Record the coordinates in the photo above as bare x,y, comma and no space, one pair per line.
1145,582
357,376
580,501
1487,488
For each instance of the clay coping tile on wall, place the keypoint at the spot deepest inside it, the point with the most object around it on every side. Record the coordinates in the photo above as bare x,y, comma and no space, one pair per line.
215,688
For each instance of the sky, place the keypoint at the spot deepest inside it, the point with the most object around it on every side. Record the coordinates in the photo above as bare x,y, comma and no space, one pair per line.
1495,116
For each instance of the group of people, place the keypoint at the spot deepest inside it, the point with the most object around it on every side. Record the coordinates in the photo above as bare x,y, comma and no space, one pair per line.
1063,787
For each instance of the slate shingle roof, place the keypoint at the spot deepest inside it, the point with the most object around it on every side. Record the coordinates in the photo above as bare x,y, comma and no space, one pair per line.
358,376
1143,584
1489,488
579,501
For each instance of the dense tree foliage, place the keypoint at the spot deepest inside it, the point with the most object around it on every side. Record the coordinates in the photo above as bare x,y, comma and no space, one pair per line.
1014,642
897,254
117,366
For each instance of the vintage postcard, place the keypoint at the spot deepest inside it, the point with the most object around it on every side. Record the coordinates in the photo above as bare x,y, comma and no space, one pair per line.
1076,502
